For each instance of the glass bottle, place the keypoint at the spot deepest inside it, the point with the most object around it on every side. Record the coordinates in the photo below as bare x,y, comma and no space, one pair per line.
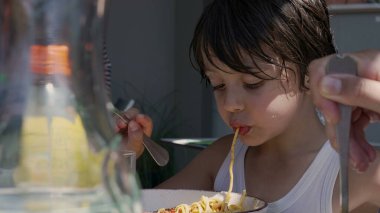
58,149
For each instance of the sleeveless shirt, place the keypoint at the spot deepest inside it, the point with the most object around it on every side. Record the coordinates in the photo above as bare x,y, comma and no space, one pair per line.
312,193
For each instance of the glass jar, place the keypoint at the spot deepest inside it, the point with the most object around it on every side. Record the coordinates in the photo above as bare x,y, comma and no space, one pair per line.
58,149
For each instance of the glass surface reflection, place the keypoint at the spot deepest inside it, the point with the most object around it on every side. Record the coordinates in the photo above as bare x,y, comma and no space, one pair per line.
58,149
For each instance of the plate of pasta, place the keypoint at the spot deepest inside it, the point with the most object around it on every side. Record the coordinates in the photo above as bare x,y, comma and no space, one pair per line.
198,201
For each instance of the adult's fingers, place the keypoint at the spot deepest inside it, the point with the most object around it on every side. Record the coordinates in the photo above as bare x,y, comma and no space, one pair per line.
316,72
368,62
358,128
361,152
352,90
374,117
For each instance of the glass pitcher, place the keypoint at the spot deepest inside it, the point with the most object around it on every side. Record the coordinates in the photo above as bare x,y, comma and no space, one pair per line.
58,149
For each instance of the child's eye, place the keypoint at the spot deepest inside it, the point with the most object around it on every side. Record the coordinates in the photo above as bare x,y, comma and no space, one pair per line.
218,87
254,86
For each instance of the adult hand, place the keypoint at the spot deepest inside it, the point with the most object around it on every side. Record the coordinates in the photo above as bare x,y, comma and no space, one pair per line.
362,92
133,131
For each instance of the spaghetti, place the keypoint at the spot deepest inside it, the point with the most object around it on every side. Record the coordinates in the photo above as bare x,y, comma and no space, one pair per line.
220,202
232,161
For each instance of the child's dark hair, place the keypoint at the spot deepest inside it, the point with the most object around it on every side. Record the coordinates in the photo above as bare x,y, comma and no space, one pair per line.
297,31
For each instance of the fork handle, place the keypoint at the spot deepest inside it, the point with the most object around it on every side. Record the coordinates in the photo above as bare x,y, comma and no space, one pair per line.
158,153
340,64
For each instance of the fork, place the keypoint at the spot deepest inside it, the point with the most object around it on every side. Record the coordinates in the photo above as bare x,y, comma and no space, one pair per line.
343,65
158,153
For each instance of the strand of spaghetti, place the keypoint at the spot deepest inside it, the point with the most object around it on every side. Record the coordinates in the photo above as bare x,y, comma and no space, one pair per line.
232,153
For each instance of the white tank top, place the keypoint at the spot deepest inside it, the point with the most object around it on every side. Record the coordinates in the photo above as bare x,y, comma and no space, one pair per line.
312,193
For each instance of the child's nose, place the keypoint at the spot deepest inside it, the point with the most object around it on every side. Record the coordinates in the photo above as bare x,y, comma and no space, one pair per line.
233,102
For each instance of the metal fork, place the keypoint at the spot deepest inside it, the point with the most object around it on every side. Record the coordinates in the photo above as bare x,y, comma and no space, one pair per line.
343,65
158,153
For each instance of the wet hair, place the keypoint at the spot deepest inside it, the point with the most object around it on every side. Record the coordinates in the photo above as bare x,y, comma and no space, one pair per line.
296,31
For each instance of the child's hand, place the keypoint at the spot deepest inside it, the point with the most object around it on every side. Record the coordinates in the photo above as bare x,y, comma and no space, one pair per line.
362,92
133,131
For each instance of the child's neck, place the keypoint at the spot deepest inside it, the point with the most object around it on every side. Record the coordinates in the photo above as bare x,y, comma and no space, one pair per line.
274,168
304,134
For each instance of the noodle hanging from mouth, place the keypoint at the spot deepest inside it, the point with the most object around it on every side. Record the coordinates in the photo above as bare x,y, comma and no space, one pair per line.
232,154
218,202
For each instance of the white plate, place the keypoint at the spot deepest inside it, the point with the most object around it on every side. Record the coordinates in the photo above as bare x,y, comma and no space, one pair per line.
154,199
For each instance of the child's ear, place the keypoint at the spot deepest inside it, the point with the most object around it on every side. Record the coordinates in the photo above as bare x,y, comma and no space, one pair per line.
307,81
307,84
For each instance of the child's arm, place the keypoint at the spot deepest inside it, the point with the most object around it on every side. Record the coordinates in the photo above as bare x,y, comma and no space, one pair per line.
200,173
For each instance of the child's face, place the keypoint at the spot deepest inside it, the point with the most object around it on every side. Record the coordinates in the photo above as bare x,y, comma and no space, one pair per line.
263,109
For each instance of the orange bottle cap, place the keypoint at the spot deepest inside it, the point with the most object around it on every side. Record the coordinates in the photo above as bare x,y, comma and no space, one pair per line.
50,59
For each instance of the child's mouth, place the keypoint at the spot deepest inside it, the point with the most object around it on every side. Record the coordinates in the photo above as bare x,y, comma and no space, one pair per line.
243,130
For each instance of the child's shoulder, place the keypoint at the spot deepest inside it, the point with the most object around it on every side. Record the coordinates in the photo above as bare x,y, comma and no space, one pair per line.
222,144
218,149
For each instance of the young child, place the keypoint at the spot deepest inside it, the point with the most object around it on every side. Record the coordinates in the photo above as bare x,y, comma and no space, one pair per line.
255,55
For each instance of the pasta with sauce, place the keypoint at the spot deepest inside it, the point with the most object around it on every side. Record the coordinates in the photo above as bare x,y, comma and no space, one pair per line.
221,202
